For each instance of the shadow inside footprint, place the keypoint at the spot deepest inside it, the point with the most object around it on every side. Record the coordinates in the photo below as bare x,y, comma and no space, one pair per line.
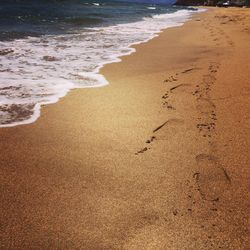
188,70
180,88
170,122
212,179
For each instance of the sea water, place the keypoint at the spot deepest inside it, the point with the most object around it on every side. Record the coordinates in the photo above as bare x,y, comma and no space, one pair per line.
48,47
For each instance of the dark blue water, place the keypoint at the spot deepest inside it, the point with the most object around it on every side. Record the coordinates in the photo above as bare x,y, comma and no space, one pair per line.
20,18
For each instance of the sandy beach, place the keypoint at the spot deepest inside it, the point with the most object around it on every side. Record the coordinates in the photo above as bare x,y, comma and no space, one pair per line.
157,159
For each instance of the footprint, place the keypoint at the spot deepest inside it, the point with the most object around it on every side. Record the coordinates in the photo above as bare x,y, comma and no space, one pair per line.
170,124
205,105
165,96
209,79
211,178
151,139
150,218
167,103
206,128
171,79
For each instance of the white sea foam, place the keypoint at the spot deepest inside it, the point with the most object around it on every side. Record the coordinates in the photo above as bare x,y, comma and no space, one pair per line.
42,70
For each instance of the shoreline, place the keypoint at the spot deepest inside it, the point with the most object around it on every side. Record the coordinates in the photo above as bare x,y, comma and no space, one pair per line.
95,75
157,159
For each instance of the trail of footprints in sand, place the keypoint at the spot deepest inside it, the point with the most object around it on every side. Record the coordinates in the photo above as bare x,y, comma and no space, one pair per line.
167,103
211,178
207,109
218,34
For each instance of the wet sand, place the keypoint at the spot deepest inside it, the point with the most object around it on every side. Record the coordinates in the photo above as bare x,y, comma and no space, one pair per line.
158,159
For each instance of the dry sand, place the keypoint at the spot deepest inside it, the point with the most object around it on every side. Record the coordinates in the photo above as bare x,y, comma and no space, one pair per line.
158,159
